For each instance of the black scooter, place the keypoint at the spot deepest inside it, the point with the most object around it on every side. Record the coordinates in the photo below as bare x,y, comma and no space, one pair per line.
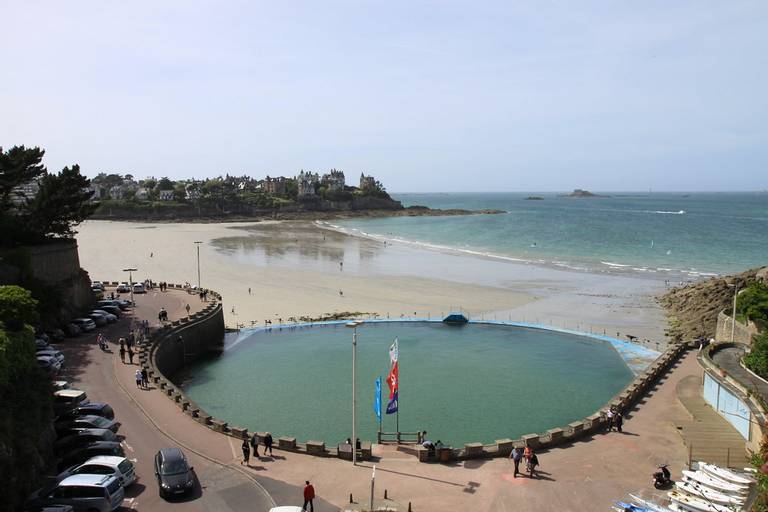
662,478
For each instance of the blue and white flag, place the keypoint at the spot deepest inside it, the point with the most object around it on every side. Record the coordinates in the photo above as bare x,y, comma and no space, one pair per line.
377,400
392,405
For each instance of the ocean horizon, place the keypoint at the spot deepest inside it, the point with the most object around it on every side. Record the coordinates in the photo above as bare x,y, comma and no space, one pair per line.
665,235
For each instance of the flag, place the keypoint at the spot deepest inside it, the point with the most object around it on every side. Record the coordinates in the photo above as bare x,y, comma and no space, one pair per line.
392,381
377,399
392,405
394,352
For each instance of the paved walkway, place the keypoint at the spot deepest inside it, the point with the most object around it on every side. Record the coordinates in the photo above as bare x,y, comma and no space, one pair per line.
728,358
708,436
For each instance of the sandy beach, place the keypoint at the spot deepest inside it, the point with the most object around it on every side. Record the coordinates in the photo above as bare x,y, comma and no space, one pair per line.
297,268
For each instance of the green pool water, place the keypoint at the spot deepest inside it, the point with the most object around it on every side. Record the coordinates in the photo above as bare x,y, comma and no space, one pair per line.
461,384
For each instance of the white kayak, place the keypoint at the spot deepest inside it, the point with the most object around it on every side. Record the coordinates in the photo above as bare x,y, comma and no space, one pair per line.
703,478
725,474
709,494
648,504
688,502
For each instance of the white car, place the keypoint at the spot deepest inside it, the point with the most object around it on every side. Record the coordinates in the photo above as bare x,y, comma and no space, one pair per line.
98,285
139,288
123,288
120,467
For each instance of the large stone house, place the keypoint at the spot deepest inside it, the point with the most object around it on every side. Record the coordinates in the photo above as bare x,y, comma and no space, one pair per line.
367,182
306,183
274,186
334,181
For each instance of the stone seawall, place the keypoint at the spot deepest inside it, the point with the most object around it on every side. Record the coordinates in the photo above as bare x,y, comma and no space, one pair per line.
741,334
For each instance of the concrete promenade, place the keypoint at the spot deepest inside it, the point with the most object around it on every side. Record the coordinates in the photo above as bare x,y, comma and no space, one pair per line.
587,475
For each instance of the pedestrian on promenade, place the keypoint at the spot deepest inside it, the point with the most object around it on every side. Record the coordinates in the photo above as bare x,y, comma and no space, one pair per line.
249,290
268,444
122,352
516,456
618,420
188,308
246,452
533,461
309,495
610,415
255,444
138,378
130,354
144,378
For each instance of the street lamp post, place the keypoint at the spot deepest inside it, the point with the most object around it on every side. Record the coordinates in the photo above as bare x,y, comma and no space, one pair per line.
354,325
198,264
733,318
130,280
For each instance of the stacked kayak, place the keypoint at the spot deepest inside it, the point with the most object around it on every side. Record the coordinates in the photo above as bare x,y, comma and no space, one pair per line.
710,488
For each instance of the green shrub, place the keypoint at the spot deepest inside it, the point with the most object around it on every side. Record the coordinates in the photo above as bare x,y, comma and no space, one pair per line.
757,359
753,303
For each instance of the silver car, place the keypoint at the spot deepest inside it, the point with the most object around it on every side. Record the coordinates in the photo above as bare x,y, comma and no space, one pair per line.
85,324
91,493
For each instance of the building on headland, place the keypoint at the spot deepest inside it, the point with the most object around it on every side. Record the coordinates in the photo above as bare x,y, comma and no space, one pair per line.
192,191
334,181
274,186
367,182
306,184
165,195
142,194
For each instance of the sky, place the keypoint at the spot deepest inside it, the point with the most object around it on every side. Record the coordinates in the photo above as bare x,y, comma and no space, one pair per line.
425,95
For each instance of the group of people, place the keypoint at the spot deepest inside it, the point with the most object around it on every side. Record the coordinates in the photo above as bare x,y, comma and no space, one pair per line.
252,444
163,286
126,347
162,315
527,454
142,378
615,419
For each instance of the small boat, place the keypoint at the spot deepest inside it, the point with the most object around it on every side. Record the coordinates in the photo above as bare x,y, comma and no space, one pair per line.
718,485
709,494
631,507
688,502
648,504
725,474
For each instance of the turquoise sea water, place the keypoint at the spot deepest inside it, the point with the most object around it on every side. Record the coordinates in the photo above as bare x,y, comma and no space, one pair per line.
665,235
461,384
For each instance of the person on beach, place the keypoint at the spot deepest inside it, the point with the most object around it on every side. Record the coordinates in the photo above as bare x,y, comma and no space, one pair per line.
249,290
309,496
138,378
144,378
255,444
268,444
246,453
516,456
233,310
130,354
341,293
341,266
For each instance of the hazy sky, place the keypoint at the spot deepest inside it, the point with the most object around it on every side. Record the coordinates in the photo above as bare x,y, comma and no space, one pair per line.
427,96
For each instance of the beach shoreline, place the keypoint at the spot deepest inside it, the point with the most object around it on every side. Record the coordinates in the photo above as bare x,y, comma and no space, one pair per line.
276,270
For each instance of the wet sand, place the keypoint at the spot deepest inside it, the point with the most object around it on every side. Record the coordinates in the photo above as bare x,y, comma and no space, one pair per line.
297,268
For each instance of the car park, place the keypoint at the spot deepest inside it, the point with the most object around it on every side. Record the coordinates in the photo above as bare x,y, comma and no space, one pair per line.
81,437
88,493
123,288
174,475
65,400
86,421
84,324
89,409
119,467
80,454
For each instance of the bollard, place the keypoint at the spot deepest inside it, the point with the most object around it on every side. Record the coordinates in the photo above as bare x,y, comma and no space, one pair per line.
350,498
385,494
409,507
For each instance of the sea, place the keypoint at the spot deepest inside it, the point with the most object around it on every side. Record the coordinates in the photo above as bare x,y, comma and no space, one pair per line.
669,236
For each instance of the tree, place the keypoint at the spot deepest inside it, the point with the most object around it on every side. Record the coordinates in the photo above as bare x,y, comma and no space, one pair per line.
17,307
18,166
62,202
164,184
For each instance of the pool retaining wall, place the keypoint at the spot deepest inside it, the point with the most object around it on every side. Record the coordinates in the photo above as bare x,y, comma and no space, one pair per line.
163,356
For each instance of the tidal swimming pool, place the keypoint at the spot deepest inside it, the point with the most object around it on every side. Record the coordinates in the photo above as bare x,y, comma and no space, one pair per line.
478,382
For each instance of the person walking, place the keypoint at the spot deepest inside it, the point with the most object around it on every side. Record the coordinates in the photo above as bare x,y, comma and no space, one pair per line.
138,378
122,352
516,456
144,378
309,495
246,452
618,419
188,307
533,461
255,444
610,415
130,354
268,444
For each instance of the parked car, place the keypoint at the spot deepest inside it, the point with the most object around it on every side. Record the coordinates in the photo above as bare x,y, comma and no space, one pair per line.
65,400
60,384
49,364
74,330
85,324
55,335
51,352
89,409
97,284
119,467
108,316
174,475
81,437
80,454
86,421
41,344
58,508
111,309
99,320
87,493
139,288
123,288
